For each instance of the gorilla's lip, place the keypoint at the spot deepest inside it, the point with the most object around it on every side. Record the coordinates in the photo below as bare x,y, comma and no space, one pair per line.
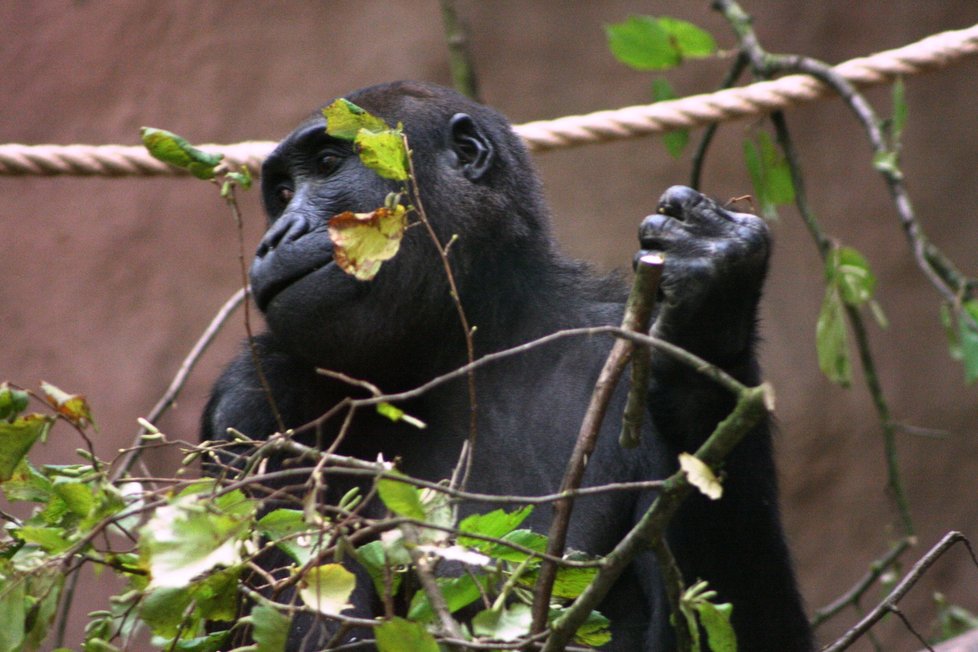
266,291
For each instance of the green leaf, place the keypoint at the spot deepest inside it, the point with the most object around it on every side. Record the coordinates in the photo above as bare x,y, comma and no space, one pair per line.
12,614
526,538
459,592
752,159
850,271
327,588
396,414
401,498
675,141
45,591
384,153
494,524
504,624
216,597
969,341
51,539
78,496
163,610
188,537
715,619
17,438
26,483
569,583
642,43
293,536
363,241
691,41
399,635
210,643
344,120
596,630
373,557
770,174
270,629
243,178
831,340
951,331
12,401
171,148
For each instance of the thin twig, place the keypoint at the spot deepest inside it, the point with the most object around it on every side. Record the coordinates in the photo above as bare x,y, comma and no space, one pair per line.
176,385
638,311
855,594
256,358
751,408
888,604
459,476
765,65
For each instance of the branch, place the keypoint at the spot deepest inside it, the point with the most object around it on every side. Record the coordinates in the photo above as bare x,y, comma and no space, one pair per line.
752,406
459,58
765,65
855,594
638,314
889,603
176,385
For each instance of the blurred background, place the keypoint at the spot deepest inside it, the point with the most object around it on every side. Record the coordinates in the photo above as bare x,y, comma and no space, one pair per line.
106,283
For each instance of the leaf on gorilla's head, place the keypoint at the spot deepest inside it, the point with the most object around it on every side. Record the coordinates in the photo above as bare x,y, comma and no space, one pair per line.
363,241
384,153
171,148
381,147
344,120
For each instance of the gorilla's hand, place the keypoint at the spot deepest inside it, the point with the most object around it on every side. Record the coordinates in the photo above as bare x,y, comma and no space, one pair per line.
715,262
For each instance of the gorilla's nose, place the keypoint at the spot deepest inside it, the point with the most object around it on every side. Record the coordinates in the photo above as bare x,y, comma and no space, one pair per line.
676,200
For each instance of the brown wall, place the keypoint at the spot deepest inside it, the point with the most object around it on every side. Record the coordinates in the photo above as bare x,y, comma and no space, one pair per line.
105,284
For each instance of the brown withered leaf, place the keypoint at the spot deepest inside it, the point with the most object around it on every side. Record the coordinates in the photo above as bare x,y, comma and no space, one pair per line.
362,241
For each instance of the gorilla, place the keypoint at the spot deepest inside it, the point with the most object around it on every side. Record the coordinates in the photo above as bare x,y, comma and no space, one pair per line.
401,329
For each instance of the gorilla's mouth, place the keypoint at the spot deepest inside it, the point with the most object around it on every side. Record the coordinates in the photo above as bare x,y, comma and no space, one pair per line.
265,292
281,268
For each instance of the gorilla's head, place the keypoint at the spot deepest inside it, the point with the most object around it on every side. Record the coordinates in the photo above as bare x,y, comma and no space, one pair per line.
477,186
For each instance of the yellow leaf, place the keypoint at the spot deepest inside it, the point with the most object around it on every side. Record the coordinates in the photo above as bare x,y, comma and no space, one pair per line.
362,241
700,476
327,588
72,407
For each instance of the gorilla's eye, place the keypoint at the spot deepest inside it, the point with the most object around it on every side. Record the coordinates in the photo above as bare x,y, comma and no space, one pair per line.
328,164
284,193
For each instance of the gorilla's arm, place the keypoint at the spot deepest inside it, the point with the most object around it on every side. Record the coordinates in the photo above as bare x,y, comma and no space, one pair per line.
715,266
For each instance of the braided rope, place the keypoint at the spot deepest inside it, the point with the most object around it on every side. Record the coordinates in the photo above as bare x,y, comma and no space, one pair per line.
933,52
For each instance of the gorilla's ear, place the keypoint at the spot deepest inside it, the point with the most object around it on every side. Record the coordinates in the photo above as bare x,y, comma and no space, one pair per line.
474,151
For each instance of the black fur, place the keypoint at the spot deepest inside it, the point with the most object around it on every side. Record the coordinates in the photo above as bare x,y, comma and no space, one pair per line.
401,329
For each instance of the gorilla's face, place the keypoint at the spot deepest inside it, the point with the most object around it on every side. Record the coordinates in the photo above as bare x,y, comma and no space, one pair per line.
313,306
307,179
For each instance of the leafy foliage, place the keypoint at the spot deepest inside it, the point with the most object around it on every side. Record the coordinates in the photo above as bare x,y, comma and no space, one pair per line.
175,150
193,543
649,43
699,610
849,281
769,174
